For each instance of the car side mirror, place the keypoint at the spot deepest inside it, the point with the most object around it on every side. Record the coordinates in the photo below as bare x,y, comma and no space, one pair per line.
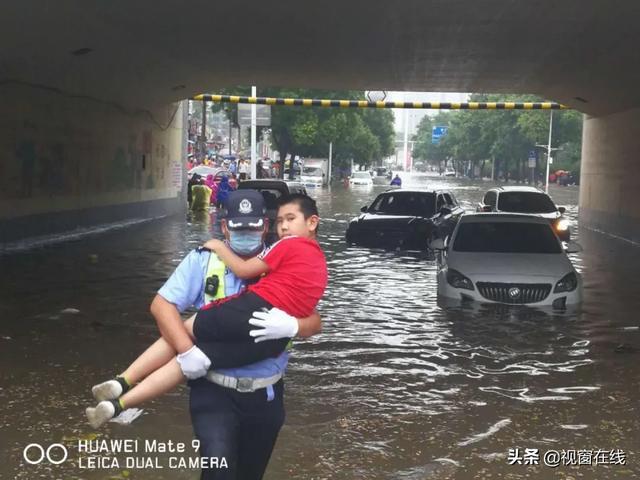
562,209
445,211
364,209
486,208
573,247
436,244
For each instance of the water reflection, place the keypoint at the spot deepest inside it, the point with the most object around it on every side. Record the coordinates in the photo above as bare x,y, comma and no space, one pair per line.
395,387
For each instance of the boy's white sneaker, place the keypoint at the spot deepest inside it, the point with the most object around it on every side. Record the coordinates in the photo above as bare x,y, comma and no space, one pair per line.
109,390
101,414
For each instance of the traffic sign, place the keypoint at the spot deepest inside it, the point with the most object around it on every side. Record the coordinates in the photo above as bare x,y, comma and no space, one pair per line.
437,133
263,115
532,158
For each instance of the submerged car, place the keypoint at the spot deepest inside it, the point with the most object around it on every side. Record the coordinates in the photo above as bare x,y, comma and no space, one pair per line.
507,258
205,170
406,219
521,199
361,179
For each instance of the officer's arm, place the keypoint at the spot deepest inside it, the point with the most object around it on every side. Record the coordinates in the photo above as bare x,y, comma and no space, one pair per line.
245,269
310,325
170,324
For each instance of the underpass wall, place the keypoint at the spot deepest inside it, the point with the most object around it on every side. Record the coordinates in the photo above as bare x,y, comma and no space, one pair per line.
68,162
610,174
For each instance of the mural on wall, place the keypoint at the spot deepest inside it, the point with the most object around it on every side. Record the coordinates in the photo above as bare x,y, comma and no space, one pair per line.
147,149
26,155
119,174
51,171
75,152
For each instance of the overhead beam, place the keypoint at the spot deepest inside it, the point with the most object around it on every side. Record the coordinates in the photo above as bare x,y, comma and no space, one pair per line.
314,102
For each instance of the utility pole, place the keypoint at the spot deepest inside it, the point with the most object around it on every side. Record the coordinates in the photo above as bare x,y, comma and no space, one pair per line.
330,154
203,138
254,155
546,180
230,126
405,157
548,148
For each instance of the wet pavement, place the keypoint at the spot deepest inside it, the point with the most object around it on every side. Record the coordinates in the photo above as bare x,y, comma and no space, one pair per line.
395,387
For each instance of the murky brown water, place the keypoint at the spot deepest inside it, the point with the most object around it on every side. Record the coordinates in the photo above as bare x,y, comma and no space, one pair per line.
394,388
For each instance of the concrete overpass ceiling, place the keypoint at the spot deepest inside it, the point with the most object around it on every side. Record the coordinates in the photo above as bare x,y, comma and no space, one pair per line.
144,53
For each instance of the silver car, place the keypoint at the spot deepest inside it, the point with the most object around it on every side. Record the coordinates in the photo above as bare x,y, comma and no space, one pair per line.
507,258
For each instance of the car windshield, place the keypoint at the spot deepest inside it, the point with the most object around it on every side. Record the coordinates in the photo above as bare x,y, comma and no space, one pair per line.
414,204
312,171
506,237
360,175
525,202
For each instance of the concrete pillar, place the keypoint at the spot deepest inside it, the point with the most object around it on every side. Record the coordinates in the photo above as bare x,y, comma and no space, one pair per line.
610,174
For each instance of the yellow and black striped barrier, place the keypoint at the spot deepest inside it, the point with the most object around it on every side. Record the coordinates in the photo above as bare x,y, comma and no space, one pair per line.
314,102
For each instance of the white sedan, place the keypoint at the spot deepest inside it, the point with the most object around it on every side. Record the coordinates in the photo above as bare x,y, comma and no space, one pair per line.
507,258
361,179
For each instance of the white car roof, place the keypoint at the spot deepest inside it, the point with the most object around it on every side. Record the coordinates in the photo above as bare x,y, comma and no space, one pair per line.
502,217
519,189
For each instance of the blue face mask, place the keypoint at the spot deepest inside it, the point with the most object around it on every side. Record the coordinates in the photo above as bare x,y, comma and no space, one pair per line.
245,242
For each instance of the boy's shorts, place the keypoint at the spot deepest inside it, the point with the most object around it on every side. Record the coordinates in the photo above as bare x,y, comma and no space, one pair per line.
228,320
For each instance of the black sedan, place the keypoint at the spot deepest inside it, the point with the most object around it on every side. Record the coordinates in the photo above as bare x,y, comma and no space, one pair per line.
406,219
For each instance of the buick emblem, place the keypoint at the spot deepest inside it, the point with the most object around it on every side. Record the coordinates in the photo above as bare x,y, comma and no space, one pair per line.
514,292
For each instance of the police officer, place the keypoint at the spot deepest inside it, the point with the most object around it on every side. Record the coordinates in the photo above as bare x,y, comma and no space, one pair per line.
237,409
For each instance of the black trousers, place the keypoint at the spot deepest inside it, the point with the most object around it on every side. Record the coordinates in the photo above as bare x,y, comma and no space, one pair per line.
241,427
222,333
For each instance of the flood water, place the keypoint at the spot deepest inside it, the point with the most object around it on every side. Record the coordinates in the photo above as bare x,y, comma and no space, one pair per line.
395,387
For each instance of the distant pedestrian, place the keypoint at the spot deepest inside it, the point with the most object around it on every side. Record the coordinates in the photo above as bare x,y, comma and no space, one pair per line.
195,180
397,181
233,182
243,169
259,172
211,183
223,192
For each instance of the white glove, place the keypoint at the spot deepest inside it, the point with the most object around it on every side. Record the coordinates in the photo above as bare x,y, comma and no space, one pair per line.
274,324
193,363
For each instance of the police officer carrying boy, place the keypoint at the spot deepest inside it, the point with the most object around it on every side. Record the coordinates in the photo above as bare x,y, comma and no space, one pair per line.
236,408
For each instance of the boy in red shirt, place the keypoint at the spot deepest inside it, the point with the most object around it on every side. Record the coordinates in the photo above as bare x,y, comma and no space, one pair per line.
294,279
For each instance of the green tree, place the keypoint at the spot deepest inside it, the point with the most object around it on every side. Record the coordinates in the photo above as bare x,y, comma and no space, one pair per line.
501,137
359,135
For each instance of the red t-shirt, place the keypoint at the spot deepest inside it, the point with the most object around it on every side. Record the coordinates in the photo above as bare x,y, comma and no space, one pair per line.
297,276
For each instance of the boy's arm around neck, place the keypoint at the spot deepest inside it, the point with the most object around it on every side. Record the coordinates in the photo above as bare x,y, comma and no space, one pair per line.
245,269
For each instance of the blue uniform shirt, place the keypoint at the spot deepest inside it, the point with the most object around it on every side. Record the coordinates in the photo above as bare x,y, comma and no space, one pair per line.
185,287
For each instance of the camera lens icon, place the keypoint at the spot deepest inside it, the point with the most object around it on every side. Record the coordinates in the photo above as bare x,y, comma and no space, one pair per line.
34,453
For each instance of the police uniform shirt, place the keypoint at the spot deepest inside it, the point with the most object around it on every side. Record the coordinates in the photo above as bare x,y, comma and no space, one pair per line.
185,287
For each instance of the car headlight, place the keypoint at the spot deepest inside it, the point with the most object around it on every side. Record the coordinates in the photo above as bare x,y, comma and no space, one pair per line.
568,283
562,225
458,280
